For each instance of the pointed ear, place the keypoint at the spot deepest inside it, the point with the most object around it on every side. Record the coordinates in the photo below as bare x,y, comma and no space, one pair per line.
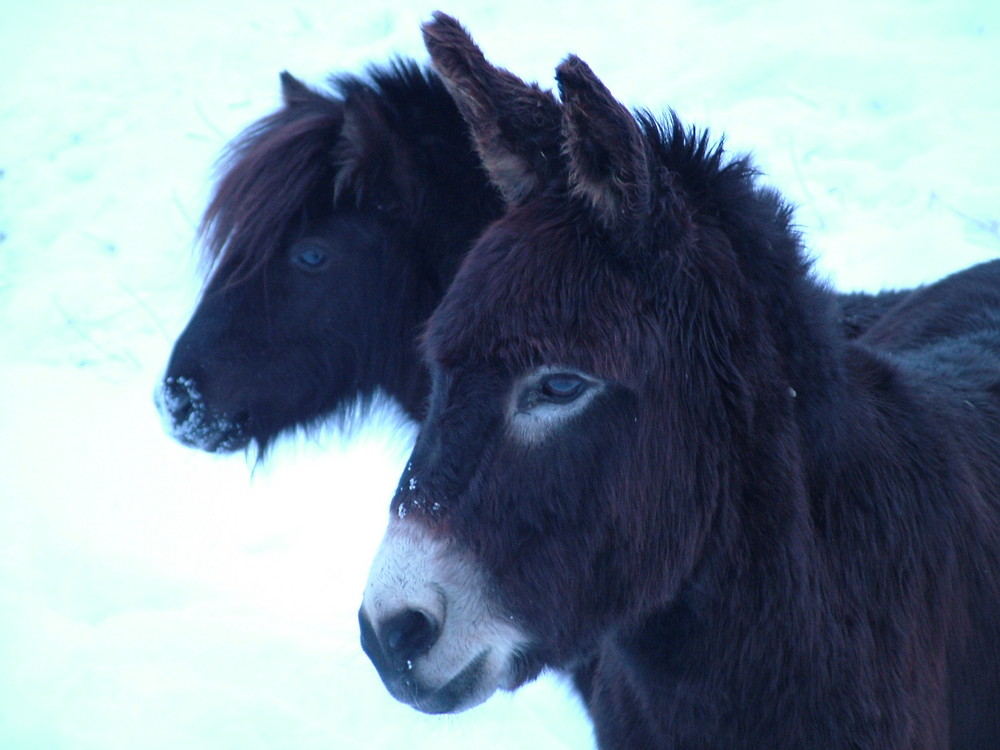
604,147
293,91
374,164
515,126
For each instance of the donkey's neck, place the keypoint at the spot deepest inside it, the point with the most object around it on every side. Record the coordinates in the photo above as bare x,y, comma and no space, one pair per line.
693,657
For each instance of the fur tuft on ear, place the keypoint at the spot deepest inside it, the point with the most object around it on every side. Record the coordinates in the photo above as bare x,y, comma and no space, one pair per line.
515,125
294,92
604,147
373,161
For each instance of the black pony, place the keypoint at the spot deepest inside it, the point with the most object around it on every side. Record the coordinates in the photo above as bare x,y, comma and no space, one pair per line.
337,225
652,457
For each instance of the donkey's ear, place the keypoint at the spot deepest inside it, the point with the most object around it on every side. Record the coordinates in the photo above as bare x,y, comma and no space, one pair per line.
293,91
515,126
604,147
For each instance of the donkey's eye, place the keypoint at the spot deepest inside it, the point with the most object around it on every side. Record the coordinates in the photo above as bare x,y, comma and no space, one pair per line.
561,388
548,398
310,257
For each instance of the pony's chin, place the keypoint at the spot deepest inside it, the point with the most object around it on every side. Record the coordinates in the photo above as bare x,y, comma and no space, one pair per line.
211,439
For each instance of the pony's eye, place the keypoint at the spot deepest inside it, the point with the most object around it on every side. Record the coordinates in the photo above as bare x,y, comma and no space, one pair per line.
561,388
310,258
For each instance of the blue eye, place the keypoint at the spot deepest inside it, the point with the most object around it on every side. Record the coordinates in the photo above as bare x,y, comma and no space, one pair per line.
562,388
310,257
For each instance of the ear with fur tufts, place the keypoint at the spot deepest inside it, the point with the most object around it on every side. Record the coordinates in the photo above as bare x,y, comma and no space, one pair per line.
516,126
293,91
603,146
373,161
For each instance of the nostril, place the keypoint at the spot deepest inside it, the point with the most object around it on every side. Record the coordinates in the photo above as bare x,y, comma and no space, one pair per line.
409,634
181,406
176,396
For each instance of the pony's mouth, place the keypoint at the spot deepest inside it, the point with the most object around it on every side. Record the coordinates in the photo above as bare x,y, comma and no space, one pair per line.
188,419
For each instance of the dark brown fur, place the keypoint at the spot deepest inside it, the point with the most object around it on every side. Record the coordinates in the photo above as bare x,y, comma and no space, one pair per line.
758,534
377,179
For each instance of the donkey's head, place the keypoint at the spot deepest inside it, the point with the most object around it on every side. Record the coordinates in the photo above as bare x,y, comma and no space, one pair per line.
593,371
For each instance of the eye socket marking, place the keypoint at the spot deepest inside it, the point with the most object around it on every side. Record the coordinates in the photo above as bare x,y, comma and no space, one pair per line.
548,397
310,255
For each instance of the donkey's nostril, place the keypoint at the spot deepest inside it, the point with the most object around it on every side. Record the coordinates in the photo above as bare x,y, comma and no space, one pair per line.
408,635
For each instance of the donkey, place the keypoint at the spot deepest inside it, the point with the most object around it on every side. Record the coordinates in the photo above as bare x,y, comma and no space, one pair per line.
652,457
337,225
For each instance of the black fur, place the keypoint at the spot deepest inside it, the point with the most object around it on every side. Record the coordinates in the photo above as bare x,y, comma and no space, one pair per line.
338,223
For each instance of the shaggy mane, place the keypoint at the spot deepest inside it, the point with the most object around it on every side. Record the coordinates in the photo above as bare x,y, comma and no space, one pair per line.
284,167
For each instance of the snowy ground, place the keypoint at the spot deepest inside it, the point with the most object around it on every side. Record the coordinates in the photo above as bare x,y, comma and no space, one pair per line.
152,597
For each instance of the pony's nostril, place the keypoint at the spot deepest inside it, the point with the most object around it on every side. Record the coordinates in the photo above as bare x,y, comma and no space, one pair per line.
180,403
409,634
176,399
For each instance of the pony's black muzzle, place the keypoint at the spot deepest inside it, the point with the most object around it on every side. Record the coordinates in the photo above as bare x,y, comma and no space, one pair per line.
189,420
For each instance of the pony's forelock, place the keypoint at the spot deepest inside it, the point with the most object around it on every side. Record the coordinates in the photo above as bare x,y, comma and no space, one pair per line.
270,172
294,158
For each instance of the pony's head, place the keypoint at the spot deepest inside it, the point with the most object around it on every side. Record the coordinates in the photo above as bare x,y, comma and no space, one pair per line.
598,367
336,226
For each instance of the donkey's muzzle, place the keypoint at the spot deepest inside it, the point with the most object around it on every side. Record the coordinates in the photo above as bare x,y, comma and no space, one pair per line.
394,648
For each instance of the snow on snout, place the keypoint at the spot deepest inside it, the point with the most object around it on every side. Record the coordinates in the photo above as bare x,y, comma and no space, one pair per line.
187,419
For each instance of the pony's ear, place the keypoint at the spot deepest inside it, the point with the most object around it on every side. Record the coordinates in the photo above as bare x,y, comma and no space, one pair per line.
373,162
293,91
515,126
604,147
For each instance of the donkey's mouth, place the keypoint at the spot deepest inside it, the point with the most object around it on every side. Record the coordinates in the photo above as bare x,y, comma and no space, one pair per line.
406,683
460,692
